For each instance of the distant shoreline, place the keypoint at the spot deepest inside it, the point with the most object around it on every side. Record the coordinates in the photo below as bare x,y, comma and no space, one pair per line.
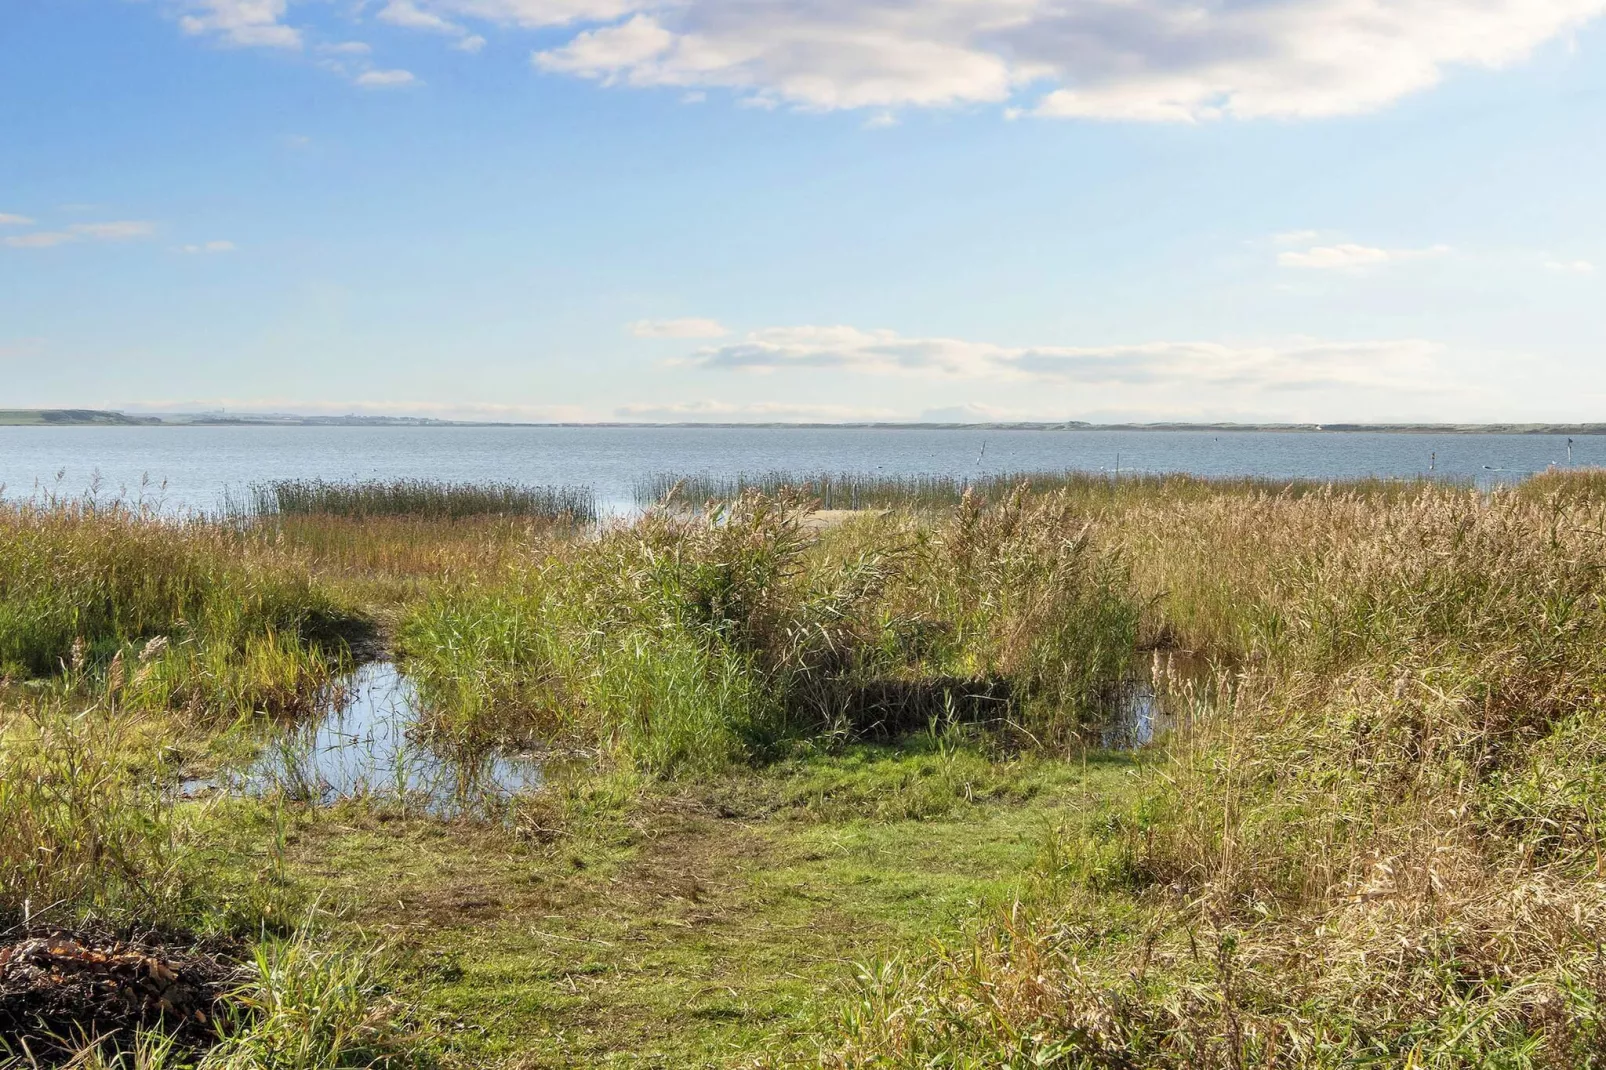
113,418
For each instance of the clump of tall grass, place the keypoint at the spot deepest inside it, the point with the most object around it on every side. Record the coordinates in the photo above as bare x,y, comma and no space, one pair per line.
88,824
394,559
420,498
654,639
689,640
86,582
1567,485
307,1004
1382,847
1024,592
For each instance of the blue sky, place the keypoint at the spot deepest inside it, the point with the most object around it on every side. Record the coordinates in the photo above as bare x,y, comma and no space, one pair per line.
807,209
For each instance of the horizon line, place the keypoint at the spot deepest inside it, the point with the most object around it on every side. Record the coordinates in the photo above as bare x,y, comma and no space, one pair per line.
70,417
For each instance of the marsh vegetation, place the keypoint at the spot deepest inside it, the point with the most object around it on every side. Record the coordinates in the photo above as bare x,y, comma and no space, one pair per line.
842,795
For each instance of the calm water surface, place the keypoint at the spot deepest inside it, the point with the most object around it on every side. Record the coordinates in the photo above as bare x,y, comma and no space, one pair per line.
198,465
366,743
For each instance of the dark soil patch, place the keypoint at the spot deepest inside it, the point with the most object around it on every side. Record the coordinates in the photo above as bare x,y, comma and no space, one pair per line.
60,989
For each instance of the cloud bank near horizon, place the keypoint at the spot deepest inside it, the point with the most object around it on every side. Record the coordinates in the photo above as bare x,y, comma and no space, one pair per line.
1296,365
948,380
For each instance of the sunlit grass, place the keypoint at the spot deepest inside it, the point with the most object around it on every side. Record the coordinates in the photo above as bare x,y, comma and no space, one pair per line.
1377,840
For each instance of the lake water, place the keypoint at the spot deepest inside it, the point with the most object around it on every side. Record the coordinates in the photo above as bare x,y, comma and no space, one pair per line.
199,464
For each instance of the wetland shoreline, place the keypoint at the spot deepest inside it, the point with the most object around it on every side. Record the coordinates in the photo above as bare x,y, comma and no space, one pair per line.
842,794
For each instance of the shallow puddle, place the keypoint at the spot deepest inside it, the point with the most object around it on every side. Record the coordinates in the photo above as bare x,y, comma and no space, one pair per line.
1173,689
367,744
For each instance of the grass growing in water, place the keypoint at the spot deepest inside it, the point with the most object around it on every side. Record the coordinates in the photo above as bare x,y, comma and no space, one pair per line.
864,490
421,498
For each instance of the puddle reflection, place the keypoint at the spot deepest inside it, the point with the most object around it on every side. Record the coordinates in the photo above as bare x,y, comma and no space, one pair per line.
1176,688
366,744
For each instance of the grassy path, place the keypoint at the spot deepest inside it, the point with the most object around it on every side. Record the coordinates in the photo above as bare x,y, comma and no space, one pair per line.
699,926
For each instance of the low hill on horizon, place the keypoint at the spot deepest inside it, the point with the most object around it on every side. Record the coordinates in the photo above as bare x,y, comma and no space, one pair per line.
111,417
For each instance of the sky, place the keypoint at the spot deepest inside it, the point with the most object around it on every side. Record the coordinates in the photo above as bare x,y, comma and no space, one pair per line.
807,210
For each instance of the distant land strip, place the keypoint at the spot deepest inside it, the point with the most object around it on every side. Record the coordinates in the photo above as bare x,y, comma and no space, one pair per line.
112,418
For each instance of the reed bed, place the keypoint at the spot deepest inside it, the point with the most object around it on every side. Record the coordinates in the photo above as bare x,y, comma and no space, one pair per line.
687,641
1569,486
386,564
1380,849
174,612
420,498
861,490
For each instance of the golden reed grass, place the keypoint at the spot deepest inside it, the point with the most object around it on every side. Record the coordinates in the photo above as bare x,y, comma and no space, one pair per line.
1382,845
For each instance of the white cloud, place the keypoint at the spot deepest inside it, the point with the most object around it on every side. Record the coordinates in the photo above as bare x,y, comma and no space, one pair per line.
434,18
43,239
438,410
974,413
245,23
1298,364
406,13
815,53
1347,256
532,14
120,230
1156,60
750,412
681,328
385,79
209,247
347,48
1576,267
8,220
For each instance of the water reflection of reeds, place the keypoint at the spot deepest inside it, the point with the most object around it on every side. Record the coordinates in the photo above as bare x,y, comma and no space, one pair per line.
367,745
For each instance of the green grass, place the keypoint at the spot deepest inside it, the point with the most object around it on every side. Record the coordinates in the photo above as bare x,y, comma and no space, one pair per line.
691,925
1378,852
81,582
